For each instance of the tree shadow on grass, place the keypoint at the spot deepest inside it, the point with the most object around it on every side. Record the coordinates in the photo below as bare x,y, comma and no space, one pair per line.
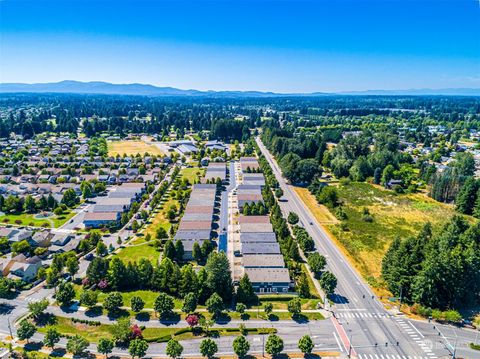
45,319
245,316
59,352
118,314
273,318
33,346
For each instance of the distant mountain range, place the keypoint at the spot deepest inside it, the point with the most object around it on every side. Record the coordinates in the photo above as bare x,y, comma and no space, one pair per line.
106,88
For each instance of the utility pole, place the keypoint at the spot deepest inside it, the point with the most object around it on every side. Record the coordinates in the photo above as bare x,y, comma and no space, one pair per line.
350,346
9,327
400,303
263,345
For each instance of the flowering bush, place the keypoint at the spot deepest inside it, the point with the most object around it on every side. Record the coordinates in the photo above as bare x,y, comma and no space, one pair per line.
103,284
192,320
85,281
136,332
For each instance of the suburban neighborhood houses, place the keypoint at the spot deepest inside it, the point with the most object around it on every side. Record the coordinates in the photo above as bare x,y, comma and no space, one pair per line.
155,234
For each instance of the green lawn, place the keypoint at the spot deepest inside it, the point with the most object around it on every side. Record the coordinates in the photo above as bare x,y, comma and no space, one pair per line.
313,290
256,312
26,219
159,218
94,332
192,174
148,297
402,215
135,252
91,332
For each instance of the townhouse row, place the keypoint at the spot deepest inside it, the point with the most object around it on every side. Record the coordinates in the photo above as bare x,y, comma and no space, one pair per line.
196,223
261,258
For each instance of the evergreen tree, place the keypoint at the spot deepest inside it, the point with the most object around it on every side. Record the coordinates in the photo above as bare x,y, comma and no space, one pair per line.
241,346
179,251
219,278
245,291
26,330
188,282
466,197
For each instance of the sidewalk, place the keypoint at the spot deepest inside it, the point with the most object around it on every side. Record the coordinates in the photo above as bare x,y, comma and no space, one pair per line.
156,323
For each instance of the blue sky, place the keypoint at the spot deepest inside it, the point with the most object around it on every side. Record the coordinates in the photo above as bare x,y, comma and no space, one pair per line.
283,46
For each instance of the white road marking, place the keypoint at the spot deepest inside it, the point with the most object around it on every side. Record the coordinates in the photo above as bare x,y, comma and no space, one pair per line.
338,342
416,329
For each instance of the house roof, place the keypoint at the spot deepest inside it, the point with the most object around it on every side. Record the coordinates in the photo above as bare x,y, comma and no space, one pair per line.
258,237
253,219
268,275
260,248
256,227
101,216
192,234
269,260
190,225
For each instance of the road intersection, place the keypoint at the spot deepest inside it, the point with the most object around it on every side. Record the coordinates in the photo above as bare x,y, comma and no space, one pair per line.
359,326
371,331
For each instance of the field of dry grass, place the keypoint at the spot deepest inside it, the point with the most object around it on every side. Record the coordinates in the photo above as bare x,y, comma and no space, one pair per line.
322,214
131,148
394,215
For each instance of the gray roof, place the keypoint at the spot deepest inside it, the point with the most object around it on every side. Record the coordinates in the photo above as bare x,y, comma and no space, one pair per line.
108,208
262,260
258,237
249,188
260,248
196,234
122,194
268,275
256,227
204,186
197,216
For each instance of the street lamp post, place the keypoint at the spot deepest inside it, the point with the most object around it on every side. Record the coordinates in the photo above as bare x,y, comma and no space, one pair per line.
400,303
350,346
263,345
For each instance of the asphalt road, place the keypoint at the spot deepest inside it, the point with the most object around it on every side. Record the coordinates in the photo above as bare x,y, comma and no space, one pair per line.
223,221
372,331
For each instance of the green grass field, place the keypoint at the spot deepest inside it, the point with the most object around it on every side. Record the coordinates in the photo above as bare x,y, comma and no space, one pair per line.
135,252
26,219
94,332
159,218
192,173
365,243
